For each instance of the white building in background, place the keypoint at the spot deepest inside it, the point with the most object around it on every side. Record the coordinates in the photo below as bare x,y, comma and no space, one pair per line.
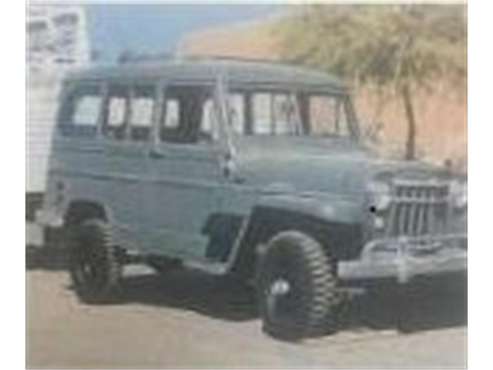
57,42
57,36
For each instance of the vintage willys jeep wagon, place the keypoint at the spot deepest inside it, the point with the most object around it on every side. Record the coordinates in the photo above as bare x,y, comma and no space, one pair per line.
244,168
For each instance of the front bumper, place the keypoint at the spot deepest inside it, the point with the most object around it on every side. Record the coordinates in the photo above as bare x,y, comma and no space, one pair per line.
407,257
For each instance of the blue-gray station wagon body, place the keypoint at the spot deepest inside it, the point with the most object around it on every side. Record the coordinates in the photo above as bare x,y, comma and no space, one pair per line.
242,168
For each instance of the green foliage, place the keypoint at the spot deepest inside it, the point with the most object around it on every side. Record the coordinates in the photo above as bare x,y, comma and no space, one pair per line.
382,44
399,47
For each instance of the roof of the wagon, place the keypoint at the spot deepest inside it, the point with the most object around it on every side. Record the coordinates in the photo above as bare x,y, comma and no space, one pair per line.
237,71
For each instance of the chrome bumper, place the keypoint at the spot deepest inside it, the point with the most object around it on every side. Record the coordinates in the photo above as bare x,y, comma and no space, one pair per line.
406,257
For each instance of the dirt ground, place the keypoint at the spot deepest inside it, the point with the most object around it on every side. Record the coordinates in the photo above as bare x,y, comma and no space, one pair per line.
186,319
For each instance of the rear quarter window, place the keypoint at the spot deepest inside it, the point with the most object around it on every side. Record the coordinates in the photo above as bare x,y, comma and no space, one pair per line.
129,112
116,112
80,111
142,108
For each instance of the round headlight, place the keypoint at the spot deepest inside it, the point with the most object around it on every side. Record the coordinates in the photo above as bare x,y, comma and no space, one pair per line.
382,201
458,193
380,195
378,187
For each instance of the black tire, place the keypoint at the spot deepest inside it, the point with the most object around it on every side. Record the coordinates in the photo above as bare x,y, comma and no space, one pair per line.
307,305
95,267
54,238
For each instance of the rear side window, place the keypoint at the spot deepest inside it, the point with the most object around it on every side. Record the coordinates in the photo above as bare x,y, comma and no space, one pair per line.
142,112
129,112
172,114
79,114
116,112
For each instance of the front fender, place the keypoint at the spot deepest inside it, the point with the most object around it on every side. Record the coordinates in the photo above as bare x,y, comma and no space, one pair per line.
332,209
335,221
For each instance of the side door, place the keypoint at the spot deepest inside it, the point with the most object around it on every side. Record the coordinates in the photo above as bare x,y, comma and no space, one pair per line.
126,132
186,171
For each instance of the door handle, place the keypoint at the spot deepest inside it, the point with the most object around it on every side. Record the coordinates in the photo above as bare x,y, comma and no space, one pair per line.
156,154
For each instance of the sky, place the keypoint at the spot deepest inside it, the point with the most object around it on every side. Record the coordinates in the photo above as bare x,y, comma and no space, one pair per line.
158,28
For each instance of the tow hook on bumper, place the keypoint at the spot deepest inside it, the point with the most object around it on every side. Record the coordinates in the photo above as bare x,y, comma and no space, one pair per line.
405,257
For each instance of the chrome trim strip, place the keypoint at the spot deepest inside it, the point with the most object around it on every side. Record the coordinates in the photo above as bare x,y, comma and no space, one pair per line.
178,182
399,240
412,214
420,183
413,207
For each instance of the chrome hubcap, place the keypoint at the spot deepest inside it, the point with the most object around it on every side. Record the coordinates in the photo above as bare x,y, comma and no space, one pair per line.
279,287
276,290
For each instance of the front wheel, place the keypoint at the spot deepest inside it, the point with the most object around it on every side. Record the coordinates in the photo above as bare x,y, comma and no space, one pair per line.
95,267
296,287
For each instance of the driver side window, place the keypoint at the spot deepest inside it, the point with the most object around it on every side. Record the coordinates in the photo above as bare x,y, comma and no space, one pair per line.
328,115
188,115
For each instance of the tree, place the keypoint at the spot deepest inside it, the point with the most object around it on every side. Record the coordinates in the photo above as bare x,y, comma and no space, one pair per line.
402,47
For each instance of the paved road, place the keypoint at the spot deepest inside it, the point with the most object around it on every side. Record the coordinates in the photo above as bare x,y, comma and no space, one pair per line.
186,319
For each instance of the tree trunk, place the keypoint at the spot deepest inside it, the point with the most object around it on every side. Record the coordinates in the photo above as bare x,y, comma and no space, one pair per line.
411,123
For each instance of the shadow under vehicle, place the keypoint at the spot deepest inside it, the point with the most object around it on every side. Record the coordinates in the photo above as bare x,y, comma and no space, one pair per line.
245,169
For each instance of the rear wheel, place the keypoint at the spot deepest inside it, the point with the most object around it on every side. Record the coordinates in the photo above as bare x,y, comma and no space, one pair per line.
296,287
95,267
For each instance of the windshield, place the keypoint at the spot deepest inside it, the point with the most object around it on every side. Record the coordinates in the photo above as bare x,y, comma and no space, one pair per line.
278,113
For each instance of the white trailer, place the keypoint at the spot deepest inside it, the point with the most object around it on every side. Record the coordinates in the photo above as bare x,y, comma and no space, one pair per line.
57,43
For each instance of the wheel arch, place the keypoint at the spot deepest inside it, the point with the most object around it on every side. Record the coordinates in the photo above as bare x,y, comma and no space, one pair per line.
339,237
83,209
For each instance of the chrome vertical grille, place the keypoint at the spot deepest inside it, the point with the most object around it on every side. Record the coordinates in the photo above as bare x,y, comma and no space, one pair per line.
418,208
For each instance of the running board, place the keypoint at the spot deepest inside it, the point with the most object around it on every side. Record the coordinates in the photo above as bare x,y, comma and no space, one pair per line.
213,268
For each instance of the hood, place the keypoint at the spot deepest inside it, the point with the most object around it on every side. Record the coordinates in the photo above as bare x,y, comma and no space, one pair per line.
336,166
